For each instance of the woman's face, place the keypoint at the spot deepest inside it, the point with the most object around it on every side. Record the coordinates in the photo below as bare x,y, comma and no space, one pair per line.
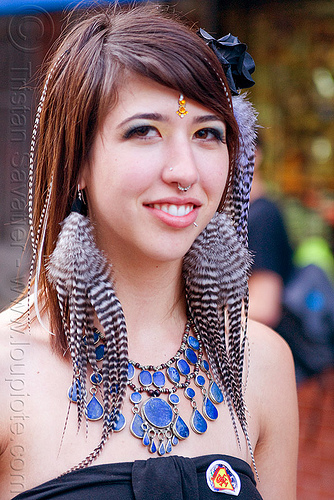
143,151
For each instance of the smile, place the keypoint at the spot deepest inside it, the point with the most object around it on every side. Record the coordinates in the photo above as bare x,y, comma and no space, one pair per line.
176,210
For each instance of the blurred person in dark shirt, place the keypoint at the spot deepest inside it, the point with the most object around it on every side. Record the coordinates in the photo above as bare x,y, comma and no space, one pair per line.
296,301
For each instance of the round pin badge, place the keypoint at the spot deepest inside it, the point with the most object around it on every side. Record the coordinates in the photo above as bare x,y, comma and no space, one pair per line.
221,478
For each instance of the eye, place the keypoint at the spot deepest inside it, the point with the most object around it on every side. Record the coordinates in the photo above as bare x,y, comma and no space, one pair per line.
141,132
210,134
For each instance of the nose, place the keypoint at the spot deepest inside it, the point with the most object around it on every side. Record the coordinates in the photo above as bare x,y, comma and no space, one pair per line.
180,165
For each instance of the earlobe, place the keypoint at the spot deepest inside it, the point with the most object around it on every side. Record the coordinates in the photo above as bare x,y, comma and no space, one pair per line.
82,183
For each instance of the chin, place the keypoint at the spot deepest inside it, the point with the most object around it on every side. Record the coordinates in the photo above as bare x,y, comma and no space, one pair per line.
169,252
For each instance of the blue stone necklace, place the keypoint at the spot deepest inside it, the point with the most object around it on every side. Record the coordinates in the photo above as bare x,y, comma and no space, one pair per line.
156,419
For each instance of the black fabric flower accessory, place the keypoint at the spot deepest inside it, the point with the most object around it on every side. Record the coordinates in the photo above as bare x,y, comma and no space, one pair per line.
237,63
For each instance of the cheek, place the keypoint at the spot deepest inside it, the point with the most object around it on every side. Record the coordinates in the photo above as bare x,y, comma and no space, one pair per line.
135,172
216,175
117,180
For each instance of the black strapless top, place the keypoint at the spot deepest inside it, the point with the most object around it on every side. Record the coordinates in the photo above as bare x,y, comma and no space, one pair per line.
166,478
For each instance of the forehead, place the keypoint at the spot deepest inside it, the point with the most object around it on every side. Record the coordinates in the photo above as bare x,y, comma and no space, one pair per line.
139,94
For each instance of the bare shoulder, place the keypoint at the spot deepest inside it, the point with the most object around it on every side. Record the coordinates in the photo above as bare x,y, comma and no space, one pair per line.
17,340
271,381
13,346
14,325
269,351
273,398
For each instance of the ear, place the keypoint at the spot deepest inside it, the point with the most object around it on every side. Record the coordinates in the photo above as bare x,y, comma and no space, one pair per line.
83,176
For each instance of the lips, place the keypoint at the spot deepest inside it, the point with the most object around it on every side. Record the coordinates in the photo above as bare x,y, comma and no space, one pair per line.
176,210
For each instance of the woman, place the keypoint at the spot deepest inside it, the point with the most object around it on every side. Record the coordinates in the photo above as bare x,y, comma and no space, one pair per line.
138,151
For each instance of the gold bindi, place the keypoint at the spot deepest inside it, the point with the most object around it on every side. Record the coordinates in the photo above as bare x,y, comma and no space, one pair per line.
182,107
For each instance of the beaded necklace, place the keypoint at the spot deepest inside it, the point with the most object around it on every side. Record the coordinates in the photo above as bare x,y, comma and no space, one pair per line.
156,420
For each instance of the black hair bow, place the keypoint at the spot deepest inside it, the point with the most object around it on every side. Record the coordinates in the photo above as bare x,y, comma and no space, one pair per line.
237,63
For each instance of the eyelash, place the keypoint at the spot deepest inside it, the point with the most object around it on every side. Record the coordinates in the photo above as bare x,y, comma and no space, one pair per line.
138,131
141,131
218,134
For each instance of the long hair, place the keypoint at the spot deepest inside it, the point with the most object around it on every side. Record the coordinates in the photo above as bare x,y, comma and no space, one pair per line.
88,69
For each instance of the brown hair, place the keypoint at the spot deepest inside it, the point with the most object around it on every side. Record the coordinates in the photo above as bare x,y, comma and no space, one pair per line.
87,70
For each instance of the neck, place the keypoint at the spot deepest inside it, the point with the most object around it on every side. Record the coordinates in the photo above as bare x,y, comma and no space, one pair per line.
154,306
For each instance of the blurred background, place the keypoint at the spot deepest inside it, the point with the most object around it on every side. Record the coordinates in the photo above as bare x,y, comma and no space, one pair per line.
292,43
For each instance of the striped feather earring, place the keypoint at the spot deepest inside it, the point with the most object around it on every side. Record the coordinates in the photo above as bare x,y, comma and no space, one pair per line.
215,271
81,275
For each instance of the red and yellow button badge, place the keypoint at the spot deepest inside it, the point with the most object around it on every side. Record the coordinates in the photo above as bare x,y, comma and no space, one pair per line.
221,478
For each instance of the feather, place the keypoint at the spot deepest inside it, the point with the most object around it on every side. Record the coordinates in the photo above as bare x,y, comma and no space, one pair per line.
237,202
215,271
81,275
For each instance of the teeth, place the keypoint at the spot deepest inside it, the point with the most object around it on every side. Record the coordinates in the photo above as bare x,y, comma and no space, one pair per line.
172,210
177,210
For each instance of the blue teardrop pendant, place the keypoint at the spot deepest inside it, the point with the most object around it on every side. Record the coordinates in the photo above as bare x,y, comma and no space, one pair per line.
136,426
175,441
215,394
94,409
169,446
209,410
152,448
180,428
146,439
161,449
120,424
197,422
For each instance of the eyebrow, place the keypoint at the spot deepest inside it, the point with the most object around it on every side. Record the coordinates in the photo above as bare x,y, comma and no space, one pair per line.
145,116
162,118
208,118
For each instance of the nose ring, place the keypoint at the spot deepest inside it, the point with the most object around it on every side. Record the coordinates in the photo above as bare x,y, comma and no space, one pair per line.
181,188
